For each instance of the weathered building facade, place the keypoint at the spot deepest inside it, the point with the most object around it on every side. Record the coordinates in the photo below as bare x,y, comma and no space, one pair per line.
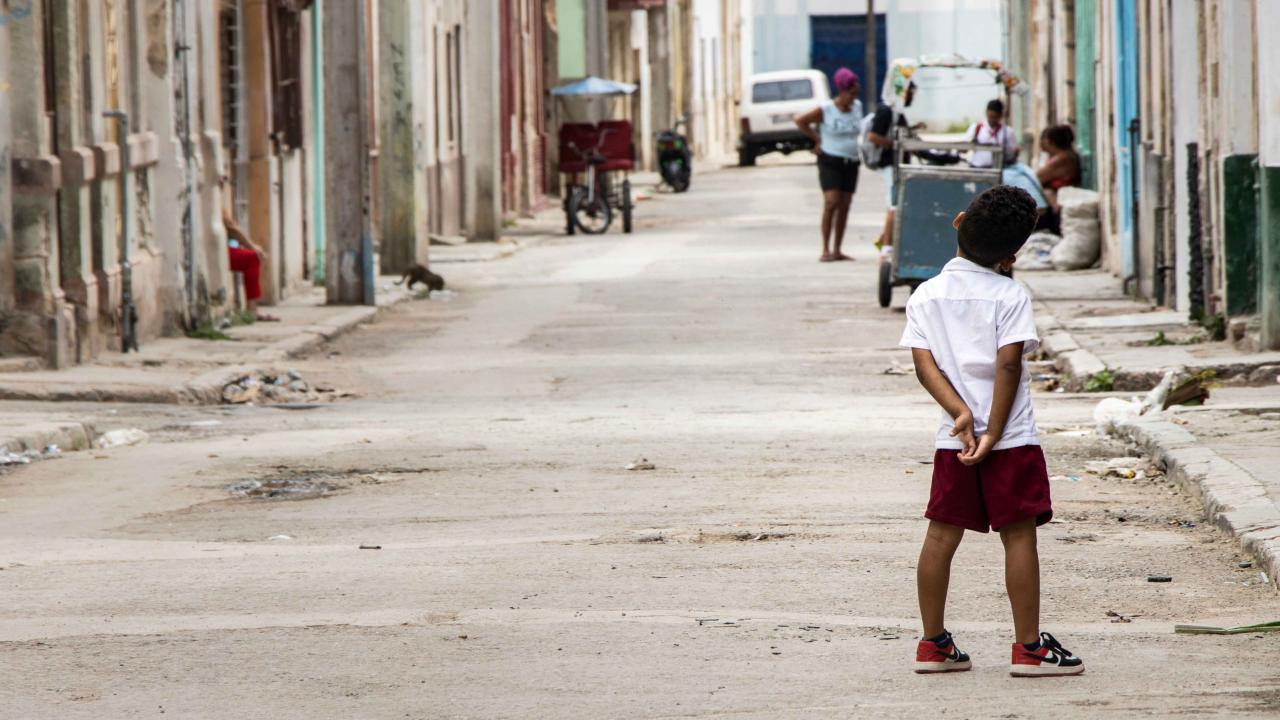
684,57
123,118
1174,105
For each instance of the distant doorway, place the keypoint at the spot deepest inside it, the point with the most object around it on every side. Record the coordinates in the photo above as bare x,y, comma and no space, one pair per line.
841,41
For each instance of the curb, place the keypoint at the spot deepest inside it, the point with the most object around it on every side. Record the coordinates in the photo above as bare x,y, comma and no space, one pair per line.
1233,499
68,436
206,388
311,337
1076,364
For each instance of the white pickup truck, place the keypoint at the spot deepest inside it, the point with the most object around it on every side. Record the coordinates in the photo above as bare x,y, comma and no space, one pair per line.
768,112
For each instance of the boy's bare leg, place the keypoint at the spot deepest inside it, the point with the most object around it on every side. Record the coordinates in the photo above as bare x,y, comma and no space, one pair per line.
1022,578
842,220
933,574
830,204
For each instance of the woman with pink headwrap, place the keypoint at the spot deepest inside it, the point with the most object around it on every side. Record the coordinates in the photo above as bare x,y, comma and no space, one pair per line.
835,142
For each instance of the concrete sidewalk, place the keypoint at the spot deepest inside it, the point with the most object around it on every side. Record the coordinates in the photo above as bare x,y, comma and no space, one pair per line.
1226,452
1226,456
186,370
1089,326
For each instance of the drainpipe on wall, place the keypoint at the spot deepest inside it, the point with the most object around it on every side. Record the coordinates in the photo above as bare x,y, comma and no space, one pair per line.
1134,140
1195,268
317,142
128,311
182,52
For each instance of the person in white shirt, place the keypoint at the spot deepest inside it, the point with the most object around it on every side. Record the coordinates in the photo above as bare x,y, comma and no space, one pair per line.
992,132
969,330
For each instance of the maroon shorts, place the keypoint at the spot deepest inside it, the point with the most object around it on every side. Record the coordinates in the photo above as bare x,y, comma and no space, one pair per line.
1007,487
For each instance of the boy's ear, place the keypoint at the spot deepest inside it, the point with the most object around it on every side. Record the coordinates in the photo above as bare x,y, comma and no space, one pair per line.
956,223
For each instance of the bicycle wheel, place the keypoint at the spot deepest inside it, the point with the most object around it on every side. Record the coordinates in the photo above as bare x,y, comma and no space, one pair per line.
591,215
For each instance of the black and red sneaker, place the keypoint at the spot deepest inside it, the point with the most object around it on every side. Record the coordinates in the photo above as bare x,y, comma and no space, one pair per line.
1049,658
940,656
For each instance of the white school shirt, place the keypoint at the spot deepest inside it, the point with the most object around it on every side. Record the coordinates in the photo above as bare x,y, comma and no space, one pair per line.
963,316
982,134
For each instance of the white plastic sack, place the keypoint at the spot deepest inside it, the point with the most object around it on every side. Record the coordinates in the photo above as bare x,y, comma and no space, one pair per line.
1110,413
122,438
1035,255
1081,234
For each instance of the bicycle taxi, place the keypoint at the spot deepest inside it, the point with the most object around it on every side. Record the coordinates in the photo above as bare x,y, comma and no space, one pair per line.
593,155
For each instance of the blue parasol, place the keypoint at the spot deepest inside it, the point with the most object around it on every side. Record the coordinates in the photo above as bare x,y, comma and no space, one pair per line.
594,86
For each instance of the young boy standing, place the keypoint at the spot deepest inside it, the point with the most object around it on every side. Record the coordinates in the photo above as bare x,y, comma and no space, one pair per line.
969,329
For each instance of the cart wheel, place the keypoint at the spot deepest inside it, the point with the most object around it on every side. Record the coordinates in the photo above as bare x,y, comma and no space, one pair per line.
626,206
886,284
592,216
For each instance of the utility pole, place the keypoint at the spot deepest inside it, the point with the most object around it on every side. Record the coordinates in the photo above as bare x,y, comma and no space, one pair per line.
348,224
869,78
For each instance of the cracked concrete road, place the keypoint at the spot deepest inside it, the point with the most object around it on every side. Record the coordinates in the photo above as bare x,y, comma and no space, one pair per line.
762,569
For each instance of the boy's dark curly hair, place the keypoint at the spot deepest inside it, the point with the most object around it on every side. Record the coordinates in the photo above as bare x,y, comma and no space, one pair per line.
996,224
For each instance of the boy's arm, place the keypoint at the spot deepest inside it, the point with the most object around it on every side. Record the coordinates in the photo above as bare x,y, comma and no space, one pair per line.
933,380
1008,377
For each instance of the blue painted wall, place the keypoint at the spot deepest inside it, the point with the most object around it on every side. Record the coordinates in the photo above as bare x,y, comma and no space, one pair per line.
1126,83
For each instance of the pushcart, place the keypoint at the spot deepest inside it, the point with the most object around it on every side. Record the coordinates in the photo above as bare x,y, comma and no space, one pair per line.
929,197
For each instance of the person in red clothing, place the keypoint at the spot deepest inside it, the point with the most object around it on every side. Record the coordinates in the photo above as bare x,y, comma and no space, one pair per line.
246,258
1060,168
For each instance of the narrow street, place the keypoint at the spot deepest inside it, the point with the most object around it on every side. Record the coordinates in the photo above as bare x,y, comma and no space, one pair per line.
764,568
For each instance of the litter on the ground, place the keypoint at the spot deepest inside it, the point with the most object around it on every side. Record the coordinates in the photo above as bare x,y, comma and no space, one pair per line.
1119,617
1121,467
895,369
26,456
280,537
641,464
1159,578
121,438
1273,626
1177,387
370,547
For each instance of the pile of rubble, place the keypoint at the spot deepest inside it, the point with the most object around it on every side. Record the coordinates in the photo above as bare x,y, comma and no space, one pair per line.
263,387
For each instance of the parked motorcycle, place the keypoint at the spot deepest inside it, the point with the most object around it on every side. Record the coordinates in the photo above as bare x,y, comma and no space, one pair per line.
675,162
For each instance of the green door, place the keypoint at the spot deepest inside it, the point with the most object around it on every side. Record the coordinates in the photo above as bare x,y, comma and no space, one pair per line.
1086,13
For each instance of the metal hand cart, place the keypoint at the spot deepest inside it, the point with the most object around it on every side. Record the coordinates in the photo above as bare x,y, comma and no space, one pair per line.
929,196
